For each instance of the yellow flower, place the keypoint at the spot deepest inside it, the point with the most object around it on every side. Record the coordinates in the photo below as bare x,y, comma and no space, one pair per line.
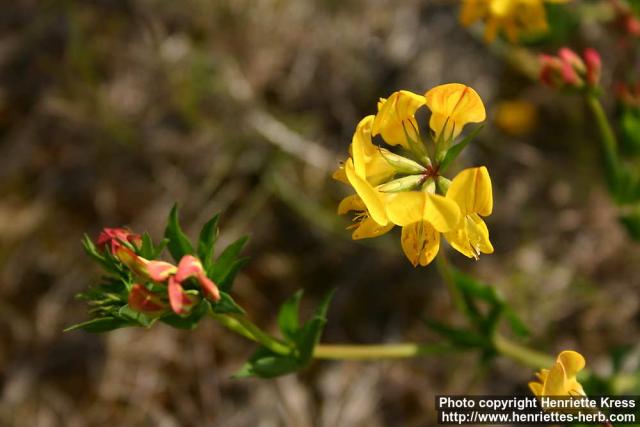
561,379
452,106
409,192
511,16
471,191
423,216
397,115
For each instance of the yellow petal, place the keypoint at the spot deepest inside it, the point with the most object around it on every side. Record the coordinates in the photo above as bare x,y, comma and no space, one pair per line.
420,243
542,375
536,388
414,206
339,175
452,106
472,238
351,203
471,190
572,361
471,11
369,195
555,383
367,158
395,115
368,228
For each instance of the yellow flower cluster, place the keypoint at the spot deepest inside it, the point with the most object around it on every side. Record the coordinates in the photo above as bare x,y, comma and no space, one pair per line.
407,190
511,16
560,380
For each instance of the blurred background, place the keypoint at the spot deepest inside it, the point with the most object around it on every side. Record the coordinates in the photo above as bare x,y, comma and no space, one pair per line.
112,110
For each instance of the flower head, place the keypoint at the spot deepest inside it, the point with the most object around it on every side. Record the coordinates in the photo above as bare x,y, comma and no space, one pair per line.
569,70
560,380
513,17
391,189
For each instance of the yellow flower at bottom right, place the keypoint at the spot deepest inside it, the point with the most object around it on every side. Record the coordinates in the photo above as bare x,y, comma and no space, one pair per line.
560,380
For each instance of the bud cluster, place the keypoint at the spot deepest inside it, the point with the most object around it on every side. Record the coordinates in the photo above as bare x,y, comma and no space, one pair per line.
169,281
568,70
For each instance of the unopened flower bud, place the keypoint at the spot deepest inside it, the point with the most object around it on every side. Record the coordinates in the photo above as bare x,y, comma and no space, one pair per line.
594,66
402,164
402,184
113,238
143,300
191,266
181,302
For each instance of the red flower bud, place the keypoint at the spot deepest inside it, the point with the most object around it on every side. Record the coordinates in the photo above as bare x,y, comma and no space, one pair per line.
143,300
181,302
136,263
115,237
191,266
159,271
594,66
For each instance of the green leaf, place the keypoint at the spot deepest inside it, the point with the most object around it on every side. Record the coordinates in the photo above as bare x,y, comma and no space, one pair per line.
515,323
190,321
266,364
99,325
309,335
226,305
147,250
135,317
288,316
207,241
178,243
455,151
225,268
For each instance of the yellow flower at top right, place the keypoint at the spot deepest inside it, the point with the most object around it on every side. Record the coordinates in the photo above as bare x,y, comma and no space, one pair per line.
513,17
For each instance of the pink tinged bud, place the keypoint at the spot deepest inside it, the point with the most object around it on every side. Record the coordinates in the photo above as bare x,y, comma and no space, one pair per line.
594,66
569,75
210,289
114,237
570,57
143,300
191,266
137,264
550,70
159,271
181,302
632,25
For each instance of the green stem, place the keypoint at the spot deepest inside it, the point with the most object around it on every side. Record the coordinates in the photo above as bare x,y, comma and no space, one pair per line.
607,139
244,327
377,351
522,354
